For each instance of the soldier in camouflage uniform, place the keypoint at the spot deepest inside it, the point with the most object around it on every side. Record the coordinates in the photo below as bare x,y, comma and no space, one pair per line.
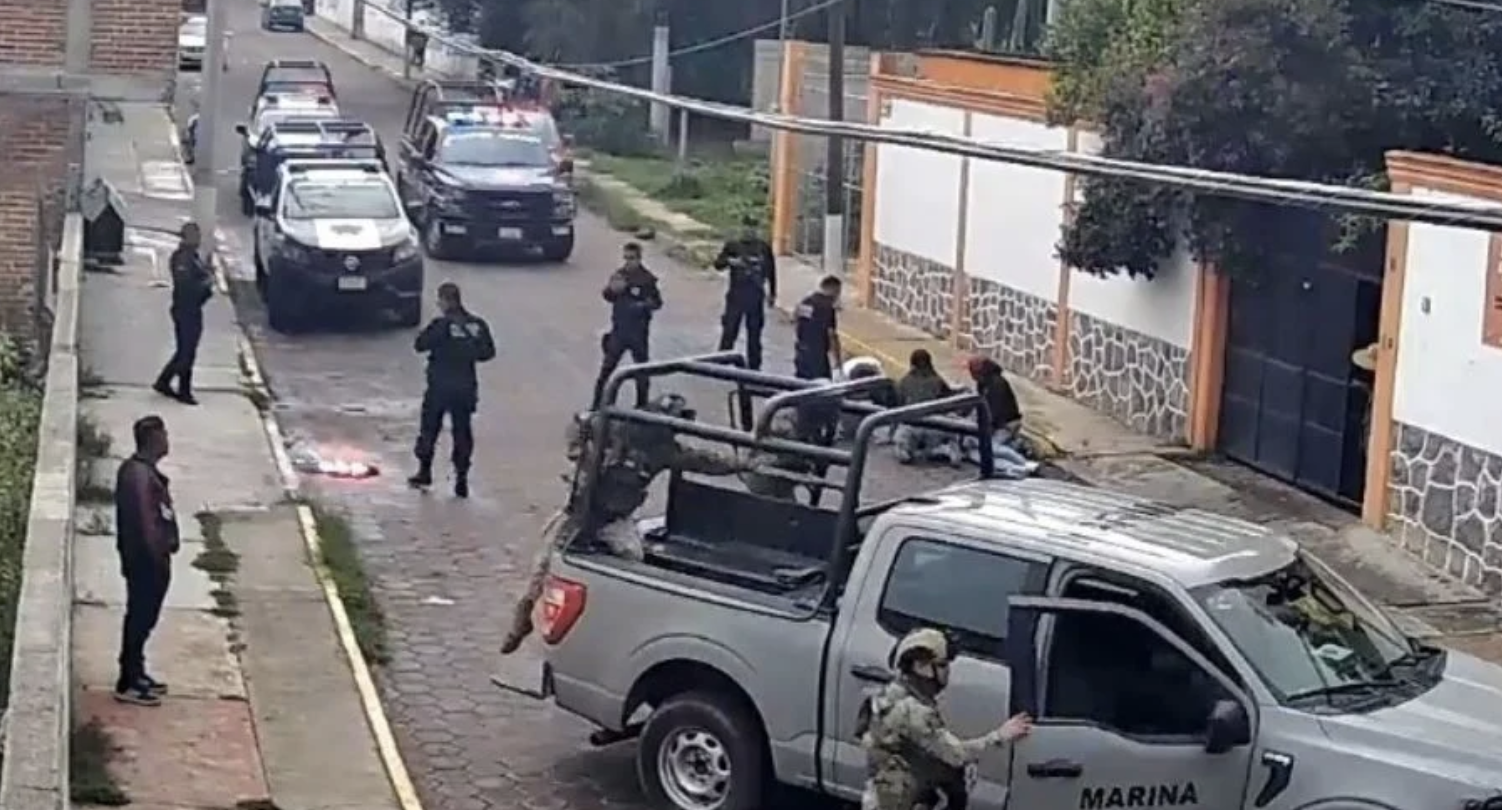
636,456
911,755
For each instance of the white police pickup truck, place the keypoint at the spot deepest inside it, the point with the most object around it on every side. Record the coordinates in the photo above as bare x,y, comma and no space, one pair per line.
1171,657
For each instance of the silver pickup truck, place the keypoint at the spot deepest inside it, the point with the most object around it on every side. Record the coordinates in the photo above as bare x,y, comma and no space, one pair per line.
1171,657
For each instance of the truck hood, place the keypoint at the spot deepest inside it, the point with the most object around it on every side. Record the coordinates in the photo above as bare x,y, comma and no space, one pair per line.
349,234
503,178
1454,730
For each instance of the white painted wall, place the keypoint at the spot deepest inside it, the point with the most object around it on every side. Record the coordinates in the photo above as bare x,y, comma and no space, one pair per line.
917,191
1162,308
1015,211
390,35
1448,382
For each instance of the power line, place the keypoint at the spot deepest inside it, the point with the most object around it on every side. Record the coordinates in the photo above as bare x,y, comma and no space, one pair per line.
1302,193
708,45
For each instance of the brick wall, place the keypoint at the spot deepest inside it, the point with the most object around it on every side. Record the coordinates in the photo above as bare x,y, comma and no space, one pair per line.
32,32
34,136
134,36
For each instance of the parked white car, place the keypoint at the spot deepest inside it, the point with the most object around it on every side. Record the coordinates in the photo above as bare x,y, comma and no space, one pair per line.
192,43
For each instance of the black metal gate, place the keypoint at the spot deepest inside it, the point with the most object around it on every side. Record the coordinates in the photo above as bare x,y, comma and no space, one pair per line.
1294,405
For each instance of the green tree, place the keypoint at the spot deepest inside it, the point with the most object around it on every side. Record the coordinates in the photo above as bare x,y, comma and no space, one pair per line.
1309,89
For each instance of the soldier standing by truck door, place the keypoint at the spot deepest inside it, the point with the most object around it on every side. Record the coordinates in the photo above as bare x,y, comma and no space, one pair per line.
751,287
816,351
911,754
454,342
192,287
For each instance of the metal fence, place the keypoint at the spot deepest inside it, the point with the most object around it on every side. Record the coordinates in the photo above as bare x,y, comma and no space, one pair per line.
812,99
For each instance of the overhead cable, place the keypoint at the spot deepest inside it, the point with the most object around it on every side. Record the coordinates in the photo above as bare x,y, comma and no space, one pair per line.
1301,193
709,44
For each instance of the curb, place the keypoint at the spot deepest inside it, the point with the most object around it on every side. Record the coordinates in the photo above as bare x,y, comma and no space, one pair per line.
333,42
375,713
404,791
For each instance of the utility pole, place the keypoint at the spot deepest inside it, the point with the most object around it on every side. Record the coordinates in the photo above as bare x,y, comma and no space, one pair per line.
409,40
205,167
834,159
787,24
661,119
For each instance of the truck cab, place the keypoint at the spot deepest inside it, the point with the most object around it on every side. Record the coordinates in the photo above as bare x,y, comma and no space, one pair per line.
476,177
1170,657
296,76
309,138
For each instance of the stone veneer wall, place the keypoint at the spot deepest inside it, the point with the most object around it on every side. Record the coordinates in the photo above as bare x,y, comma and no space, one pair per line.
914,290
1443,502
1141,381
1012,326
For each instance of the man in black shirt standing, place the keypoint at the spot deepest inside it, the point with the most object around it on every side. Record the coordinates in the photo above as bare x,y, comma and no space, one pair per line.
454,342
751,287
634,298
192,287
147,536
816,352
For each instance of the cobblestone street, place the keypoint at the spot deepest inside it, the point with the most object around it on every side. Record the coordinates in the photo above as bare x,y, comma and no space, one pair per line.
446,571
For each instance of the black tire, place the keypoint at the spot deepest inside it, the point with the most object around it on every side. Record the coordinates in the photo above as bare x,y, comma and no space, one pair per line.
281,310
719,726
409,313
558,250
434,243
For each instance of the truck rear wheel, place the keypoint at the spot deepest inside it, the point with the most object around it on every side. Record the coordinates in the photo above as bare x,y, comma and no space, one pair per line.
702,751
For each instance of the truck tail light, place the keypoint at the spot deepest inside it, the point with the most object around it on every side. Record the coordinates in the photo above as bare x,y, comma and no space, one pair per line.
562,605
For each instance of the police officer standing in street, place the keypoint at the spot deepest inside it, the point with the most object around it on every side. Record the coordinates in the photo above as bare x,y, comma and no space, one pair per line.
634,297
751,288
911,755
816,351
192,287
454,342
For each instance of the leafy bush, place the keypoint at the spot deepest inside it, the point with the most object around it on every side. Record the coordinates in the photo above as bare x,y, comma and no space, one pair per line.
605,122
20,408
722,193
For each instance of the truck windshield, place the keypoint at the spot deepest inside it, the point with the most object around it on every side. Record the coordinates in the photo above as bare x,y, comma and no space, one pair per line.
312,200
1306,632
492,148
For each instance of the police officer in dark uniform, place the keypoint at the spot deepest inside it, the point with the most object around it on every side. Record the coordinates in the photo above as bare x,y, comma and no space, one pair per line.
634,298
816,351
192,287
752,286
454,342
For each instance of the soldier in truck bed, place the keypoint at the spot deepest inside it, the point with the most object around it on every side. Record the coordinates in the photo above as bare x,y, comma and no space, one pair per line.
636,455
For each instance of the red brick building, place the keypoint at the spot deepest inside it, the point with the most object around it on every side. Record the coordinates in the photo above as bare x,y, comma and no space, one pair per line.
55,57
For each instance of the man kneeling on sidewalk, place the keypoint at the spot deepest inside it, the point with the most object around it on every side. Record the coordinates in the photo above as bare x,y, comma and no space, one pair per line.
147,536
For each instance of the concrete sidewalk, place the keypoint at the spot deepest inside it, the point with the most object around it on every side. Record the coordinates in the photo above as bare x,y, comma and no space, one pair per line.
264,703
1098,450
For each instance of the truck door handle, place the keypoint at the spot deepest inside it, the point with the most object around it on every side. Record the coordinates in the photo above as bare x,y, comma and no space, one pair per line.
1055,769
869,672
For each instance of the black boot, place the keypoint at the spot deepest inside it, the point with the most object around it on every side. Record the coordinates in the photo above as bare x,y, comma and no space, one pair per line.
461,483
424,476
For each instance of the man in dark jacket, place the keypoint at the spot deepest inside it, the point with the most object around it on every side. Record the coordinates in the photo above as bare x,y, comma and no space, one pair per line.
750,288
192,287
1006,419
816,332
454,342
146,536
634,298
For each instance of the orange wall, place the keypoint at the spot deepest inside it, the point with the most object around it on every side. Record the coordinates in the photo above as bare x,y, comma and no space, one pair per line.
1020,77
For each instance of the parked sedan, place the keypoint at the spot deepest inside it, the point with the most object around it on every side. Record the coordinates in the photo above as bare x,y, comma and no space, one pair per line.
192,44
283,15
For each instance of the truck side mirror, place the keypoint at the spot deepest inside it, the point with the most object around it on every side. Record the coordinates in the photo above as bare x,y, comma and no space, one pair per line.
241,128
1228,727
